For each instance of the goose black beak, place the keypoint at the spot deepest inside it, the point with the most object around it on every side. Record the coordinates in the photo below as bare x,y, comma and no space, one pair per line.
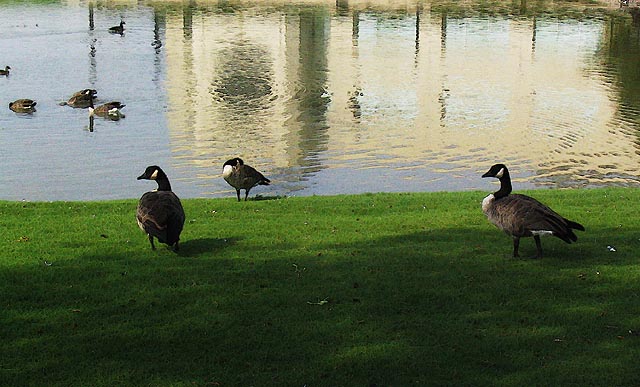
487,175
141,177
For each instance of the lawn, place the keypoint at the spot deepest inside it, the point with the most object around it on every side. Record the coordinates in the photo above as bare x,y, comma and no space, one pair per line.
355,290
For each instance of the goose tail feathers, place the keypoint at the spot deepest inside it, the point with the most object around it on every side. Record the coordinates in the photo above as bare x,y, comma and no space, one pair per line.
574,225
567,234
264,181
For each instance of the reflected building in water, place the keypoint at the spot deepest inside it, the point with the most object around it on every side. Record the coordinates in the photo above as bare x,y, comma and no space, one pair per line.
343,88
252,89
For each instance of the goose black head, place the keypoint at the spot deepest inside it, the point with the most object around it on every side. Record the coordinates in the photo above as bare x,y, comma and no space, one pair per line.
153,172
233,162
497,171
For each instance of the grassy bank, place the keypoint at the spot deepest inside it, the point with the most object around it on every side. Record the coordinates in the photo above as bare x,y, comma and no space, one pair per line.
384,290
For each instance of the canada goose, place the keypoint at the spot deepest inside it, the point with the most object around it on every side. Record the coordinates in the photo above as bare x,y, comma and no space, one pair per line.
160,213
85,93
109,110
81,99
242,176
523,216
23,105
119,29
5,71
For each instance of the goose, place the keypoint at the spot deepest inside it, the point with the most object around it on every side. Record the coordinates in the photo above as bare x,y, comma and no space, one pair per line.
242,176
160,213
85,93
23,105
5,72
523,216
109,110
119,29
81,99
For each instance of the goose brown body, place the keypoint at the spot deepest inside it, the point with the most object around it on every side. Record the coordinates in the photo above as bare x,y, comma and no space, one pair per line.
523,216
110,110
160,213
81,99
23,105
105,108
5,72
242,176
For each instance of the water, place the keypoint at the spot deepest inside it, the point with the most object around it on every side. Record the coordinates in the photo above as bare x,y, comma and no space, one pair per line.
322,98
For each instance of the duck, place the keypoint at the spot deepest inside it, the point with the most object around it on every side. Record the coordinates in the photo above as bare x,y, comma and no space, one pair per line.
23,105
160,214
5,72
119,29
109,110
81,99
523,216
242,176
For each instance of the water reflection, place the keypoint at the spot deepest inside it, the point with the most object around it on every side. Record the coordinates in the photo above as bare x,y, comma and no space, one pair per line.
310,100
241,85
348,90
326,99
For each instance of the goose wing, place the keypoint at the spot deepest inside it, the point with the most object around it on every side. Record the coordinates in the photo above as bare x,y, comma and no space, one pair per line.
250,177
161,215
25,103
113,105
105,108
525,215
85,94
79,102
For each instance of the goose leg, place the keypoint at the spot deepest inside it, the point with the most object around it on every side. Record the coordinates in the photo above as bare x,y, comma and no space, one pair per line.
176,246
238,194
538,246
153,247
516,244
246,194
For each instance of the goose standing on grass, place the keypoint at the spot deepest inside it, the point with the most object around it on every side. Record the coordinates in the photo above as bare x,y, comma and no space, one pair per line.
5,72
23,105
81,99
109,110
160,213
242,176
523,216
119,29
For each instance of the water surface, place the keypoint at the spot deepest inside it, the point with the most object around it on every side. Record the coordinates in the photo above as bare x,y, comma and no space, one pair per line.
323,98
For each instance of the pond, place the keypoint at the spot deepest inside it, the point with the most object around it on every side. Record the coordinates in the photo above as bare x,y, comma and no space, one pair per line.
323,97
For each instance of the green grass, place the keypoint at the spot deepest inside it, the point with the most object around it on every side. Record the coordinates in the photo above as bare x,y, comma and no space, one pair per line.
377,289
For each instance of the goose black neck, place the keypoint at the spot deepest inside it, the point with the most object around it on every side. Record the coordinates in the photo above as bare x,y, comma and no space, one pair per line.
505,186
163,183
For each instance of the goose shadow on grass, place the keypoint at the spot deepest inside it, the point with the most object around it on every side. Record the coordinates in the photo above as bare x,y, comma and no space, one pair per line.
199,246
267,197
470,242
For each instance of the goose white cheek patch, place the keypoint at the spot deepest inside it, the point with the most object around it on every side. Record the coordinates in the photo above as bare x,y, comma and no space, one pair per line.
227,170
500,173
154,175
